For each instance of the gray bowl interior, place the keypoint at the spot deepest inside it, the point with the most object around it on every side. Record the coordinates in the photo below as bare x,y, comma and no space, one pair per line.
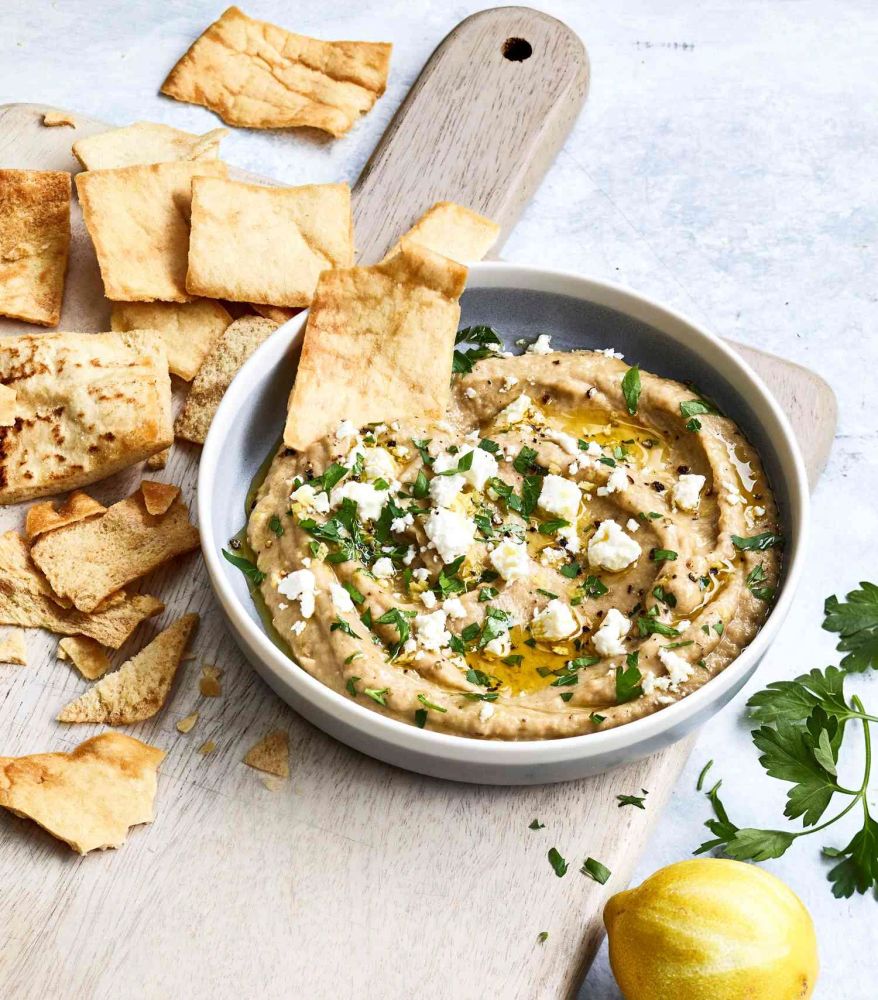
516,314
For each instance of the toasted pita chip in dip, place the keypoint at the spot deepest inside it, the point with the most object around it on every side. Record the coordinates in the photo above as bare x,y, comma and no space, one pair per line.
43,517
13,649
271,754
453,231
158,497
189,329
54,118
26,599
34,243
378,345
145,142
138,219
87,405
89,657
138,689
258,75
278,314
253,243
88,561
233,348
90,797
8,399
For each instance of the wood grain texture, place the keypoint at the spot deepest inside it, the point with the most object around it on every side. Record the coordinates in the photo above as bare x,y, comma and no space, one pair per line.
354,880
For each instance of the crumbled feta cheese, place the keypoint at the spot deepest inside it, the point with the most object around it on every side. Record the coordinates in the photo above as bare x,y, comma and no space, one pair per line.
616,483
566,441
555,621
470,392
421,574
510,559
679,669
369,501
552,557
399,524
444,489
383,568
297,628
345,430
378,463
592,449
515,412
450,533
341,599
608,352
301,586
431,630
632,524
541,345
687,490
608,638
560,496
307,496
573,468
499,647
483,466
610,548
486,711
454,608
429,599
508,383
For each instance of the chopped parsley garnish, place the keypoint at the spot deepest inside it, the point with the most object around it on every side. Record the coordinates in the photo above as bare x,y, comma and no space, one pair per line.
650,625
524,460
570,570
662,555
767,540
633,800
696,407
429,704
420,717
595,870
553,527
628,680
547,593
377,694
594,587
487,594
513,660
494,627
660,594
755,578
856,622
700,783
486,444
542,937
339,625
400,621
487,340
421,445
332,475
606,460
631,388
597,719
559,865
536,825
356,596
275,526
351,686
249,569
464,464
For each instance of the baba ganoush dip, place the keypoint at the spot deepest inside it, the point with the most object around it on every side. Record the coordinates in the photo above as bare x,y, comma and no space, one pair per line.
576,545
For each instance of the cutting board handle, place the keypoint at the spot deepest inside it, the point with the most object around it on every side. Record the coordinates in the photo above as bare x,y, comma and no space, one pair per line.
480,126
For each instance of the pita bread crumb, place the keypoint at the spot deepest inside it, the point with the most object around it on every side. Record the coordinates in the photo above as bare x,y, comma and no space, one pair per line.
188,329
55,118
34,244
207,747
229,353
277,314
89,657
88,561
272,783
139,688
271,754
138,220
13,649
186,724
8,399
26,599
143,143
255,243
453,231
158,497
378,345
156,462
209,682
43,517
258,75
88,798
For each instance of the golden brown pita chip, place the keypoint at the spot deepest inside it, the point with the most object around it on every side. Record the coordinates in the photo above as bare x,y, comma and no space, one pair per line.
138,689
8,399
185,725
26,599
145,142
156,462
271,754
158,497
453,231
88,798
43,517
34,243
189,329
378,345
89,657
258,75
54,118
88,405
277,314
13,649
252,243
88,561
138,219
215,376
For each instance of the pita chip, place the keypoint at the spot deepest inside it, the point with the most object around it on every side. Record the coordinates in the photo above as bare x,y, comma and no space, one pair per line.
138,219
277,314
158,497
8,398
453,231
54,118
87,405
13,649
26,599
258,75
89,657
139,688
143,143
43,516
156,462
252,243
88,561
34,243
88,798
378,345
271,754
189,329
215,376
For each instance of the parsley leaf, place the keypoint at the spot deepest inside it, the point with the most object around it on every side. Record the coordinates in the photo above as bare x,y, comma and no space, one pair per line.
631,388
628,680
249,569
856,622
559,865
767,540
595,870
536,825
633,800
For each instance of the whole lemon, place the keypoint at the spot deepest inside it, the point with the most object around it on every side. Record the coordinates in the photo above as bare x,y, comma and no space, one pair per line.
711,929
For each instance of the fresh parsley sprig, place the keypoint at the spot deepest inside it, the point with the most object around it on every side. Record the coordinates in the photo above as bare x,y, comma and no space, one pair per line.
856,622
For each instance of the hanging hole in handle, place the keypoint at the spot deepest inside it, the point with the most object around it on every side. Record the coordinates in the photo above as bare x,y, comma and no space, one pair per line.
517,49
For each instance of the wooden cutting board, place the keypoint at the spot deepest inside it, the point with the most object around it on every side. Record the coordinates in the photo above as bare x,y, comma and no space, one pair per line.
357,879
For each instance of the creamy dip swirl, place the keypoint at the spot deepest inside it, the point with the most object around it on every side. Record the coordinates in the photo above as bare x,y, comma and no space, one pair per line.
541,563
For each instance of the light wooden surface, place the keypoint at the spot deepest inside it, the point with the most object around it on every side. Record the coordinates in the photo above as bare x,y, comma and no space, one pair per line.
356,879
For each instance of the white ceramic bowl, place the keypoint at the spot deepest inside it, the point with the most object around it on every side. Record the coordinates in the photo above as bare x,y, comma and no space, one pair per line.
519,302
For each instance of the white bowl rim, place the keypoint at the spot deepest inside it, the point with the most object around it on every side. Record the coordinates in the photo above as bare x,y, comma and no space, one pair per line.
471,750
